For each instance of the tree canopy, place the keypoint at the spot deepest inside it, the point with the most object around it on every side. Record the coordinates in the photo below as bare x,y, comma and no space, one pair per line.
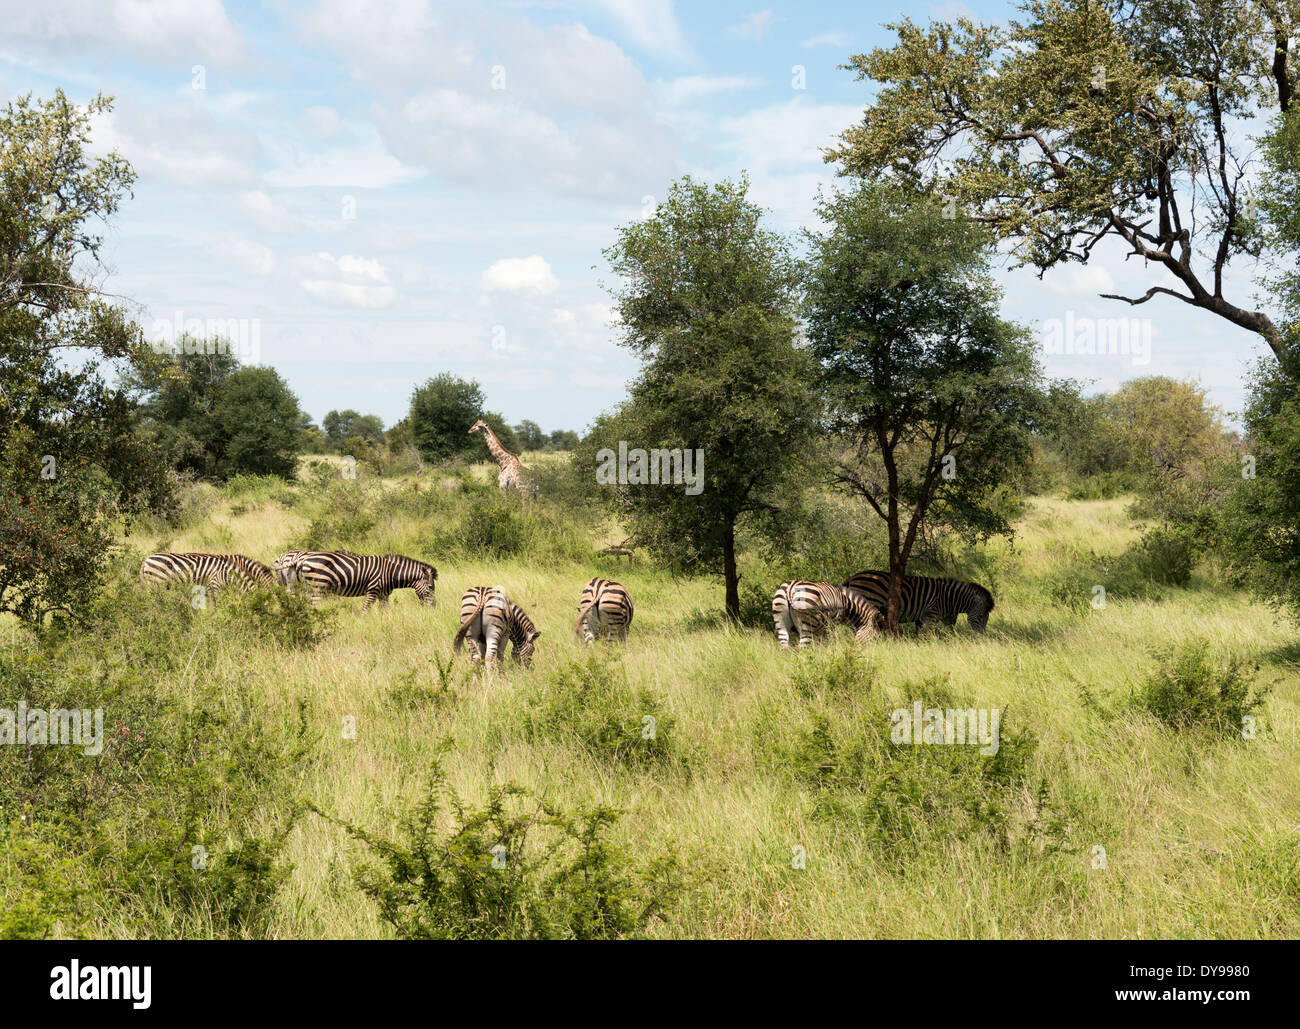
1089,120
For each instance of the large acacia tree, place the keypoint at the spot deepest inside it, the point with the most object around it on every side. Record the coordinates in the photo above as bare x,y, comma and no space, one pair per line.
1088,120
708,299
935,395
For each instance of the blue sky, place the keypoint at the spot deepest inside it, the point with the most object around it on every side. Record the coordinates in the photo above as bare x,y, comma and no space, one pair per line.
392,190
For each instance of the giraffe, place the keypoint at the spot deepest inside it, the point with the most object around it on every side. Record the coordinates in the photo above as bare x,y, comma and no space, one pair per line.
508,477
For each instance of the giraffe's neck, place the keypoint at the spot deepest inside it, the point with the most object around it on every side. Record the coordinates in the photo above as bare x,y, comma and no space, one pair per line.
501,454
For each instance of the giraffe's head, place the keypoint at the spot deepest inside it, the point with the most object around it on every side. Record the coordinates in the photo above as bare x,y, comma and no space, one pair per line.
480,424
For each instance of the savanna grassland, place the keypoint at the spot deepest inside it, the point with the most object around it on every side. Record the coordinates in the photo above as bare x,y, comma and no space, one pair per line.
259,728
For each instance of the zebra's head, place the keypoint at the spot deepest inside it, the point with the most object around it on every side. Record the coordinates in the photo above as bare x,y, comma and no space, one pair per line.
420,576
524,651
978,612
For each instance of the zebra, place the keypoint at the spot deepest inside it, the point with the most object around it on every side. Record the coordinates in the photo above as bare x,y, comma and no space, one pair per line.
487,618
604,604
373,576
807,607
211,571
286,567
925,599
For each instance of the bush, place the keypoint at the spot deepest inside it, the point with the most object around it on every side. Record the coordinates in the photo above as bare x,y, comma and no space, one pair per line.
516,868
290,621
910,798
591,700
1197,690
172,829
1162,556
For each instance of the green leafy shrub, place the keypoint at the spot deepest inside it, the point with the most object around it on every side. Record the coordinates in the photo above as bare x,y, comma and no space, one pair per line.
173,828
909,797
1192,688
290,621
517,868
590,700
1163,556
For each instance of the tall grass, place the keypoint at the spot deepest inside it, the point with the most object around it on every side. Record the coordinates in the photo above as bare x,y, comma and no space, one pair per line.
770,777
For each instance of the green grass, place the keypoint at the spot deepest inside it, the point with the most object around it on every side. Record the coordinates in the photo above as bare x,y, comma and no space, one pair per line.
762,752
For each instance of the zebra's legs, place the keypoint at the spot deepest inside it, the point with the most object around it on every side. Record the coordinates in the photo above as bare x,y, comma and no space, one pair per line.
494,635
783,622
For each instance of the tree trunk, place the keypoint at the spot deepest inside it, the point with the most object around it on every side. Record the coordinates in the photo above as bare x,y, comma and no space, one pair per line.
729,570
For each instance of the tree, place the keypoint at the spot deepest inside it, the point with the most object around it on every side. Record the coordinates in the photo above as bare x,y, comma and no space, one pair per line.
1088,120
255,427
562,439
71,458
442,410
1173,438
935,395
216,419
708,301
1261,518
177,393
340,426
530,435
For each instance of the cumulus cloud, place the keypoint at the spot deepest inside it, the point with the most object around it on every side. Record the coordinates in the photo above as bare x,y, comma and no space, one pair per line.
346,280
520,275
160,31
178,141
493,99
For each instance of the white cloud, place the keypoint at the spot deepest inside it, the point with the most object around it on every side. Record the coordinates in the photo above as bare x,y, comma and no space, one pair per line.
651,23
321,121
245,254
836,38
161,31
520,274
266,213
363,167
436,106
755,26
346,280
692,87
178,141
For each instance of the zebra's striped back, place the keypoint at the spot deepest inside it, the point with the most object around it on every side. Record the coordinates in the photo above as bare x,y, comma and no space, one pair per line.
373,576
808,607
925,599
488,618
607,604
212,571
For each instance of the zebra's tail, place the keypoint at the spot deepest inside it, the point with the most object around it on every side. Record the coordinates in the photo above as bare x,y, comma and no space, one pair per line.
583,611
464,625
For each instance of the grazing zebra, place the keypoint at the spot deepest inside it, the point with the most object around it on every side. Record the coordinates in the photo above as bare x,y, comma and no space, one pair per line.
807,607
604,604
926,599
211,571
286,567
373,576
488,617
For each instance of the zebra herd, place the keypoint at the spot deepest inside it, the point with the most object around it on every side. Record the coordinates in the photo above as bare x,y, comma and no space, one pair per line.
489,619
861,600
